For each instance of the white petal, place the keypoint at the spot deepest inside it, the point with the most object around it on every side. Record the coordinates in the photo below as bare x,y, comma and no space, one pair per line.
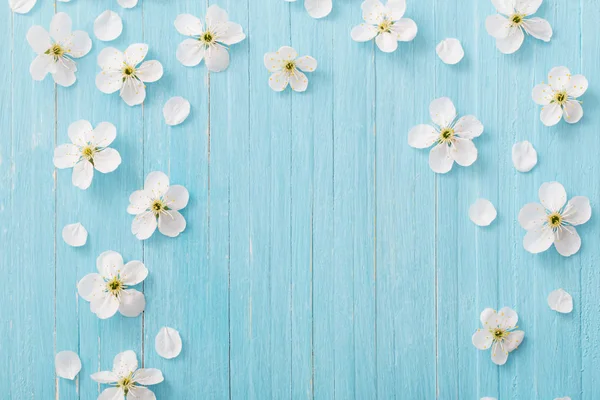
171,224
190,52
188,25
107,160
552,195
66,156
139,202
577,86
142,393
77,44
83,172
578,211
216,58
422,136
387,42
287,53
363,32
60,26
497,26
514,340
150,71
38,39
125,363
560,301
133,92
156,183
105,377
176,110
567,241
232,35
542,94
482,339
551,114
527,7
499,354
135,53
109,81
21,6
109,264
74,235
108,26
306,64
104,305
127,3
450,51
67,364
91,286
404,30
167,343
104,134
395,9
373,11
111,59
539,28
278,81
508,318
468,127
440,160
215,15
463,151
132,303
64,74
298,81
482,212
506,7
559,78
272,61
538,240
133,273
113,393
524,156
318,8
148,376
41,66
80,132
176,197
512,42
532,216
143,225
489,318
572,111
442,111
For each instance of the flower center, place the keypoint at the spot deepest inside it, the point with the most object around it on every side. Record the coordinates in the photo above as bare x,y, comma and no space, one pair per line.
561,97
56,51
128,71
158,206
555,220
115,286
446,135
499,334
517,19
126,383
385,26
290,66
88,152
207,37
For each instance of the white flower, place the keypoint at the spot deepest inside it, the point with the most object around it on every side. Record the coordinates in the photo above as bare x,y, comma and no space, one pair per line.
509,31
553,222
127,378
287,67
89,150
317,8
158,204
207,42
499,333
120,72
385,23
559,97
453,139
57,50
108,290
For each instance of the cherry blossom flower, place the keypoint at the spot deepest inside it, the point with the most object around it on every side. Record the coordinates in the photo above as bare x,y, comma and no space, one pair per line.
508,28
385,24
317,8
453,139
287,67
158,204
57,49
553,222
127,379
89,150
559,97
120,71
207,42
108,290
498,332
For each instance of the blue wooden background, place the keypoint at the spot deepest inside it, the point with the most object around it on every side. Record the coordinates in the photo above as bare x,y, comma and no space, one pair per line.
322,258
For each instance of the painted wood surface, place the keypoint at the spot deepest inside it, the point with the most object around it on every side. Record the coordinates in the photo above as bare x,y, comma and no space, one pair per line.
322,257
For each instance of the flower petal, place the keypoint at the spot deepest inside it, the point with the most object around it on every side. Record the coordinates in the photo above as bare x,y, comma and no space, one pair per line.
539,28
542,94
80,132
551,114
38,39
167,343
387,42
559,78
404,30
127,3
578,211
560,301
172,224
572,111
109,264
176,197
272,61
112,393
287,53
139,202
64,73
363,32
133,273
440,160
91,286
148,376
318,8
552,196
135,53
109,81
373,11
78,44
577,86
499,354
508,318
133,92
104,134
567,241
132,303
306,64
532,216
422,136
142,393
67,364
107,160
482,339
512,42
538,240
83,172
215,15
60,27
450,51
442,111
463,151
298,81
524,156
190,52
108,26
395,9
143,225
527,7
217,58
489,318
21,6
233,34
468,127
66,156
278,81
125,363
506,7
497,26
176,110
188,25
150,71
74,235
105,377
111,59
104,305
514,340
482,212
156,183
41,66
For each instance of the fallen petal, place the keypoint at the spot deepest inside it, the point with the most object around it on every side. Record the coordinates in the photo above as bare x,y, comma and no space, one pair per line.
21,6
450,51
74,235
108,26
67,364
167,343
560,301
524,156
176,110
482,212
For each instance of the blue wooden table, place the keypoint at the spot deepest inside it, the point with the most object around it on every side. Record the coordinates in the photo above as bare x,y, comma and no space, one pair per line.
322,257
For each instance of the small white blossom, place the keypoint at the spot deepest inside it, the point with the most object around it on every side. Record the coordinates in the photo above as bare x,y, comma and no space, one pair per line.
57,49
559,96
453,139
89,150
109,289
553,222
385,24
120,71
207,42
498,333
158,204
287,67
127,379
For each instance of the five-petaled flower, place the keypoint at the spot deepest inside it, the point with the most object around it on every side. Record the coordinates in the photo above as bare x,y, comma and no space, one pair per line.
385,24
498,332
108,290
553,221
208,42
89,150
57,50
158,204
127,379
508,28
453,139
559,96
120,71
287,67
